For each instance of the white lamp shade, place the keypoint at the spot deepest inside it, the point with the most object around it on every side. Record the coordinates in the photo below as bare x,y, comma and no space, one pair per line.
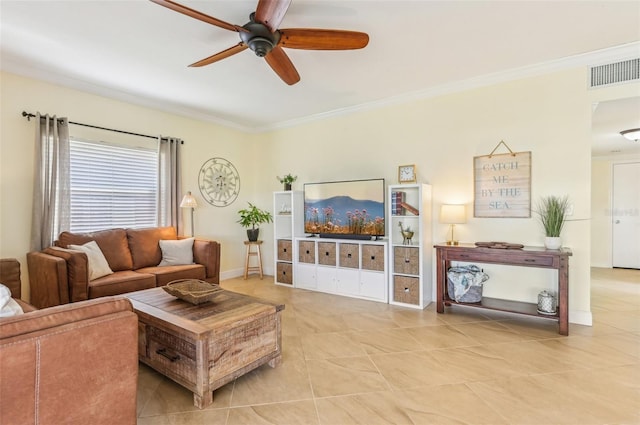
453,214
188,201
633,134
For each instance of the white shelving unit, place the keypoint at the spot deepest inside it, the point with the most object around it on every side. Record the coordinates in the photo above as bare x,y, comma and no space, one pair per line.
353,268
288,224
410,260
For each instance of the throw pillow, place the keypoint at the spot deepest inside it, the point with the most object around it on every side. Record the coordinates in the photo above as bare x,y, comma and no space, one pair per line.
176,252
8,306
98,265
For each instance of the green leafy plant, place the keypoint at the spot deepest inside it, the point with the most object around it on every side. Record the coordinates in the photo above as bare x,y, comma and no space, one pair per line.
252,216
288,179
552,212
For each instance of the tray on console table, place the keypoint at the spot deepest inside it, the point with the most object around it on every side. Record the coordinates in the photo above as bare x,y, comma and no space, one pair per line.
526,257
202,347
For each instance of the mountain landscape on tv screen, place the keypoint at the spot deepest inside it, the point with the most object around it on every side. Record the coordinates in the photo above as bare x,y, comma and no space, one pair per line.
343,214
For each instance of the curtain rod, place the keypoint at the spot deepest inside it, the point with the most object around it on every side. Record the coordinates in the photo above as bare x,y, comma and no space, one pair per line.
29,115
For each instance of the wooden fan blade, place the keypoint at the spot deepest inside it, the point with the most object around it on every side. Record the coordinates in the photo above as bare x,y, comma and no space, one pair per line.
198,15
317,39
282,65
271,12
221,55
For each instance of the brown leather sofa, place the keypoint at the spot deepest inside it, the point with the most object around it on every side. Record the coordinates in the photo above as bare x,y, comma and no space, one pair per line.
59,275
70,364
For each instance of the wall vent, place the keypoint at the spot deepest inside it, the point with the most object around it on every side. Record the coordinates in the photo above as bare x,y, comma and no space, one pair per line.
614,73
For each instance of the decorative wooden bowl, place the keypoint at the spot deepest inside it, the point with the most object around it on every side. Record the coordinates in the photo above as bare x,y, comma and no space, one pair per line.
499,245
193,291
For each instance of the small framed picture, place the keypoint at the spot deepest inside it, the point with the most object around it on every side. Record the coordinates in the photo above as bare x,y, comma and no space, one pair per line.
407,174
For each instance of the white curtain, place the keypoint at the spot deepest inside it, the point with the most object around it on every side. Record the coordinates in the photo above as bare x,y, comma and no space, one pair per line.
170,183
51,198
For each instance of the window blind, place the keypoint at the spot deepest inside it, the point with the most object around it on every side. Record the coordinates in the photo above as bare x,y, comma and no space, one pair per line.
112,186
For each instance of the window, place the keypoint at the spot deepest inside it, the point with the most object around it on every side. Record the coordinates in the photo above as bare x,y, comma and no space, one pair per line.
112,186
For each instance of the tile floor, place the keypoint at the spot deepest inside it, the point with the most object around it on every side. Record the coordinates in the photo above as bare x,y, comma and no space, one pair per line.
348,361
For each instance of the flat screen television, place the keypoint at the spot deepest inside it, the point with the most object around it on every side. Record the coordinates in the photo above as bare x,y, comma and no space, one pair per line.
345,209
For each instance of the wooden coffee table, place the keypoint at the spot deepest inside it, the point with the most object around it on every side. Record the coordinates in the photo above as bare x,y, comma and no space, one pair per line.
202,347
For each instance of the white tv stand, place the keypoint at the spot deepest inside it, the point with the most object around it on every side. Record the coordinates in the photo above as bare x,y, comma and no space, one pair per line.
349,267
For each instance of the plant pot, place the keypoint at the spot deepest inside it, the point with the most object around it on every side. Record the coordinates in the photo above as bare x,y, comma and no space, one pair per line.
552,242
287,186
252,234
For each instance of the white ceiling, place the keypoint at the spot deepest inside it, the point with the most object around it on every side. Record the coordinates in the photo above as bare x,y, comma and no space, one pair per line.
609,119
138,51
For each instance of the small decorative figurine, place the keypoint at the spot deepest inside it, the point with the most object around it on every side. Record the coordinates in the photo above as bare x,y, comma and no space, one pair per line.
407,234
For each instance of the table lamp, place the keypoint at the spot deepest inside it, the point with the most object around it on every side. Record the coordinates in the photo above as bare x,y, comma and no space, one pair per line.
188,201
452,215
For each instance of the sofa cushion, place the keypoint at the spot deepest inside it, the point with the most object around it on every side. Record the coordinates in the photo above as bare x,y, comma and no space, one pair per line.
176,253
97,263
8,306
145,245
166,274
113,244
121,282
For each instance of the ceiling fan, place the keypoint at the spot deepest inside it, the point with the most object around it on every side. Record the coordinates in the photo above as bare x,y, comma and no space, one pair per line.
262,35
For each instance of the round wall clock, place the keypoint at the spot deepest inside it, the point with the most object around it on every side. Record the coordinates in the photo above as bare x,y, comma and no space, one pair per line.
219,182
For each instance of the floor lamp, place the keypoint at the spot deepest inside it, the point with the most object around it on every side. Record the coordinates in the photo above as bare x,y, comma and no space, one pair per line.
452,215
189,202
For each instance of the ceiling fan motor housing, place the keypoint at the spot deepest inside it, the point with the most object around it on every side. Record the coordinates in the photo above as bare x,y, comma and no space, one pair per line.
259,39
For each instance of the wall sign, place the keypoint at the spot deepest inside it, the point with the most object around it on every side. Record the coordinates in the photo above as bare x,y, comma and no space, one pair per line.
502,184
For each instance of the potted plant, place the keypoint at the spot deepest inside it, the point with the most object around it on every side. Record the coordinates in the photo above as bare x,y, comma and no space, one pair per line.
552,212
287,180
251,217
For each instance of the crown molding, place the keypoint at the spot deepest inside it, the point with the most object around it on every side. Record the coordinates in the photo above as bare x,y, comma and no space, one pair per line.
594,58
31,71
598,57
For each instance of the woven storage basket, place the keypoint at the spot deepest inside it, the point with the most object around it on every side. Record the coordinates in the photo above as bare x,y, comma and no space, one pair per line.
307,252
285,273
193,291
349,256
285,250
327,253
372,257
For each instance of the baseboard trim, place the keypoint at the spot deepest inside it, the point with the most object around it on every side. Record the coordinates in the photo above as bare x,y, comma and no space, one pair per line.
581,317
578,317
232,274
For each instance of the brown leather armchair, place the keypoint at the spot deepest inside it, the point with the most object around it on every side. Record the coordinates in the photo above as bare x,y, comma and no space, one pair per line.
59,275
70,364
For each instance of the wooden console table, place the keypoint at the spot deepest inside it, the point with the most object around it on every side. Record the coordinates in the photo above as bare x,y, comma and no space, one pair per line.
526,257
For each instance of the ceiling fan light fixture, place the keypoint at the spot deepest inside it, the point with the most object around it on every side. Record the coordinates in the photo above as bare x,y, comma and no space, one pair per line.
632,134
260,46
263,37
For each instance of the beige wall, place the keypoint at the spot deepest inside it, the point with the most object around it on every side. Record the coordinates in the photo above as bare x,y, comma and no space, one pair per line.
202,141
547,115
600,217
